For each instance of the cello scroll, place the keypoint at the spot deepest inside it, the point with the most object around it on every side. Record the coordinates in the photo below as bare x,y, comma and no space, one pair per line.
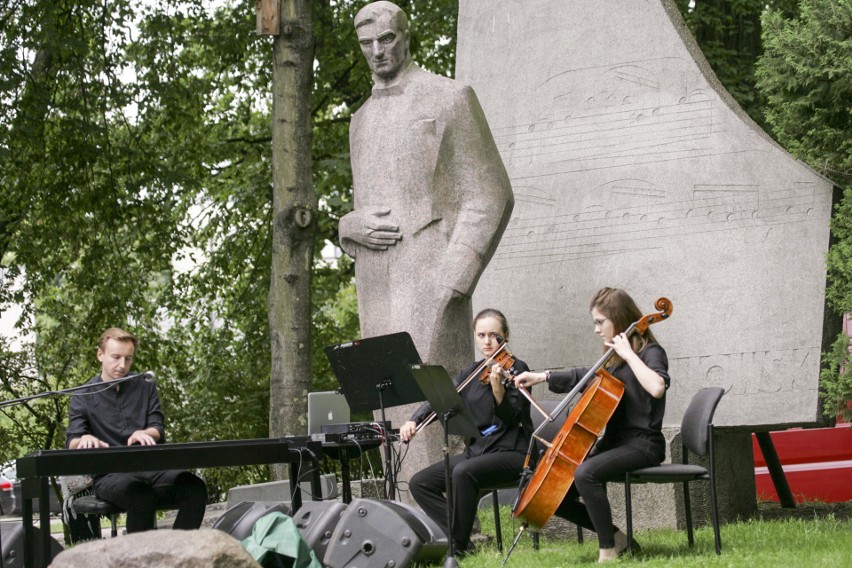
665,307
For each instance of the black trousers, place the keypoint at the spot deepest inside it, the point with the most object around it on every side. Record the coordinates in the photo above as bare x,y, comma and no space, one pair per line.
590,478
470,476
141,494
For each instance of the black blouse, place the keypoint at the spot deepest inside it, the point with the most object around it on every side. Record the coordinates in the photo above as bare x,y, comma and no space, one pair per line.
639,416
511,417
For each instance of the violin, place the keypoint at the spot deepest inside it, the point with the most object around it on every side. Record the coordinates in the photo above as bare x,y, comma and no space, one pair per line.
506,361
481,371
504,358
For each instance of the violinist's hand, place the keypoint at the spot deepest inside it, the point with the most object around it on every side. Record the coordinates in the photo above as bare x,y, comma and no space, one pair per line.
370,227
496,379
529,378
408,431
622,346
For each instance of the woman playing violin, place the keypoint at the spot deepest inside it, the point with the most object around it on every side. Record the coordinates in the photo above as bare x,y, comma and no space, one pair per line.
493,461
633,436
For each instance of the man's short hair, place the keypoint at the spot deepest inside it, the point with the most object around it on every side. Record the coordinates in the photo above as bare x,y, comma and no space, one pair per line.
119,335
371,12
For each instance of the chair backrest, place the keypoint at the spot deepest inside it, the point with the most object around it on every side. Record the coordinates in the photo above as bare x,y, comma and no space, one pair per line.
694,429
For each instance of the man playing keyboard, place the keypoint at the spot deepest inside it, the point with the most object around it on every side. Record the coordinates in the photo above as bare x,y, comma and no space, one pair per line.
123,415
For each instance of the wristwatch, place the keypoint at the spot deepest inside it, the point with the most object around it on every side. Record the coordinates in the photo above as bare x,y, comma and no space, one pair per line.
547,377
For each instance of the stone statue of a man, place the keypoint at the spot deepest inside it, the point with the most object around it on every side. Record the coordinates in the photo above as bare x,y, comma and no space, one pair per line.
431,200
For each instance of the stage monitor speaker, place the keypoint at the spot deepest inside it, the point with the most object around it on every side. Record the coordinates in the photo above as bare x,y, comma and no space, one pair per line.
316,521
384,533
12,536
239,519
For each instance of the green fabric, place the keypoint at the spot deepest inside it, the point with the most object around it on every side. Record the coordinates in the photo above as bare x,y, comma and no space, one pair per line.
275,542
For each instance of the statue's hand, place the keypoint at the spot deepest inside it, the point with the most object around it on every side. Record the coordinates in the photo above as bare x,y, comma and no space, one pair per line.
369,227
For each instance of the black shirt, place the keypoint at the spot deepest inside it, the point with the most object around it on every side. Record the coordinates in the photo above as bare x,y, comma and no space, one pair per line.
113,413
511,417
639,416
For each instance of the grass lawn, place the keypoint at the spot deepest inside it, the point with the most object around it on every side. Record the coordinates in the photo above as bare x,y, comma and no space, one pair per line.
811,535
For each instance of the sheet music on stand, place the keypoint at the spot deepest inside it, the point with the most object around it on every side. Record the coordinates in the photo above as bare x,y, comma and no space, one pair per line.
374,375
440,391
373,372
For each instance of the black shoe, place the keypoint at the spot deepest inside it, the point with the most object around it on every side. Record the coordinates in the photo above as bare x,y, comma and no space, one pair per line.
463,550
622,551
626,549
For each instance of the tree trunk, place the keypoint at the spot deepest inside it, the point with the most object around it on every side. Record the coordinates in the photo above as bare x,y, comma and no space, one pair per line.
294,206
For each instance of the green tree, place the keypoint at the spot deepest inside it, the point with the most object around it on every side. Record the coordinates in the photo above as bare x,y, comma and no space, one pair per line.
85,196
729,34
806,76
135,145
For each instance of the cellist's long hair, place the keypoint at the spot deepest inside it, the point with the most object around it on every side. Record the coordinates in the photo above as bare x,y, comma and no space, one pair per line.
619,308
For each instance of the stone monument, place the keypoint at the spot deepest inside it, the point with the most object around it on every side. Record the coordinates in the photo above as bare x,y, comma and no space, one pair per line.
431,200
633,167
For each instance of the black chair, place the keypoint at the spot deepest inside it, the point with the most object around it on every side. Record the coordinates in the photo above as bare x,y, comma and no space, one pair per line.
548,433
82,510
91,505
696,434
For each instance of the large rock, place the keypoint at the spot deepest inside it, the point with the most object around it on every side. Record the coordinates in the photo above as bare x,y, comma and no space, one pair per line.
161,548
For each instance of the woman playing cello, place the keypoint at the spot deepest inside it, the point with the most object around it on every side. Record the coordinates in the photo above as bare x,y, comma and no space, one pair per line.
493,461
633,436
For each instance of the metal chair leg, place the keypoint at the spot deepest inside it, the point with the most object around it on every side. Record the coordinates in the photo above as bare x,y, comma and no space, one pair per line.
628,512
714,505
497,528
687,509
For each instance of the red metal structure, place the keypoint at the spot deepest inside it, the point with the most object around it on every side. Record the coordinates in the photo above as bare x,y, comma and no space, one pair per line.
817,464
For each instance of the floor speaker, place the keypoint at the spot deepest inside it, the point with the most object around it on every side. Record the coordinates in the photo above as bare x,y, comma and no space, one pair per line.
239,519
316,521
12,536
384,533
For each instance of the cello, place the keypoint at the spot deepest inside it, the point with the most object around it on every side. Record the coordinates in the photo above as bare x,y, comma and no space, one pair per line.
554,474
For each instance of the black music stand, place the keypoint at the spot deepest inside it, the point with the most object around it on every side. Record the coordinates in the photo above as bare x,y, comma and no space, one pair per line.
374,374
441,393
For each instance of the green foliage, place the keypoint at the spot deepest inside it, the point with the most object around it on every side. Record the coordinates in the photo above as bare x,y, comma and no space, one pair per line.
836,380
136,165
729,34
806,76
86,201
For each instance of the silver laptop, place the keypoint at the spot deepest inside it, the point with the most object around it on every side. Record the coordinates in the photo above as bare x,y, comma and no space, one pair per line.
326,408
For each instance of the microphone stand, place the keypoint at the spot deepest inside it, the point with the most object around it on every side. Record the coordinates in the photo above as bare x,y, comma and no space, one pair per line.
14,401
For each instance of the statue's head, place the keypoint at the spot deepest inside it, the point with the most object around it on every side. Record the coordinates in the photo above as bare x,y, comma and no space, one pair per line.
383,34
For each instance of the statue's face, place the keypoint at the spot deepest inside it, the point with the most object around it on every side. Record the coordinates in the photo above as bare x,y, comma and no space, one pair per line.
384,46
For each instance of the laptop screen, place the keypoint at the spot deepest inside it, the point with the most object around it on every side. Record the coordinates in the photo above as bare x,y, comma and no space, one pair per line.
326,408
